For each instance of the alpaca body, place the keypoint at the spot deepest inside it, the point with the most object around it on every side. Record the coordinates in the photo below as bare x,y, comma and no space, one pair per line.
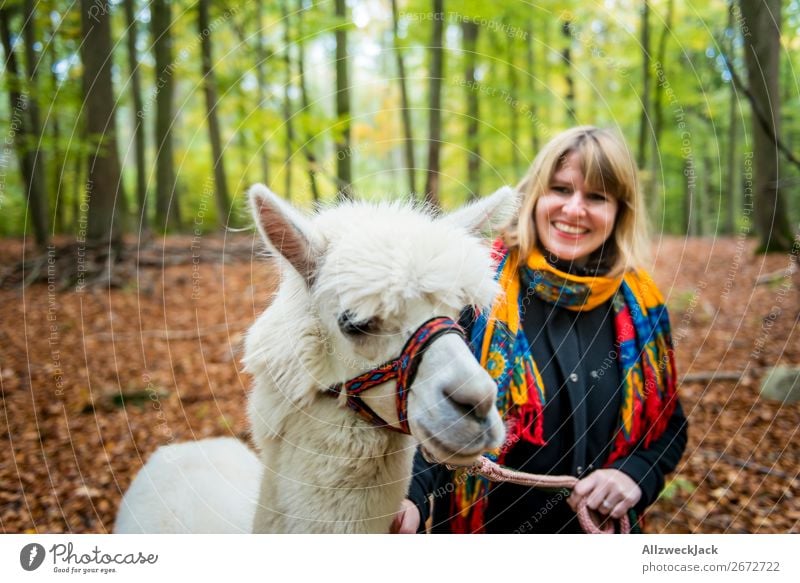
208,486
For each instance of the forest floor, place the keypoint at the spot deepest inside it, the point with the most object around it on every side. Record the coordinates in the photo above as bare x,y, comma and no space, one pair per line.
94,381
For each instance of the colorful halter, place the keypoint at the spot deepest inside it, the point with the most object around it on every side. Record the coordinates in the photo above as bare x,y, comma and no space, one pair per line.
403,369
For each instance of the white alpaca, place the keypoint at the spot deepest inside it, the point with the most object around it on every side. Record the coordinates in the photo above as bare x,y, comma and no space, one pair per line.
357,281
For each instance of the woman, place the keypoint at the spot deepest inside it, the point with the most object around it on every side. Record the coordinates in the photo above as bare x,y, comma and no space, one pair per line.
580,347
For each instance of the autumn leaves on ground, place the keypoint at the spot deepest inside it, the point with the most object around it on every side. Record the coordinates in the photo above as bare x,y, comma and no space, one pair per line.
93,382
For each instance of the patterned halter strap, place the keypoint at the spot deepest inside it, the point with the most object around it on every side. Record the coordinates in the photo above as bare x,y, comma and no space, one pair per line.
403,369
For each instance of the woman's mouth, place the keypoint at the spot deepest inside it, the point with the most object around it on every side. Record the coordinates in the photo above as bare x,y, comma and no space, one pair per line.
565,229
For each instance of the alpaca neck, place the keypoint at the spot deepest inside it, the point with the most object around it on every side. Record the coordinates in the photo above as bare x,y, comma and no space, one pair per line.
331,472
325,469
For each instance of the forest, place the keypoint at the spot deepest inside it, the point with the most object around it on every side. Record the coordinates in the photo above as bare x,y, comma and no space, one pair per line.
131,117
133,129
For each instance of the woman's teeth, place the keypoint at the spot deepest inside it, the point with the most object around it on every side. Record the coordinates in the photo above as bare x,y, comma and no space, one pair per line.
570,229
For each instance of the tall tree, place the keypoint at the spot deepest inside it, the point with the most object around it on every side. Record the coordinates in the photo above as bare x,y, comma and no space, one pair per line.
167,214
531,76
78,169
261,79
288,122
24,136
566,56
762,19
210,90
513,104
435,105
31,68
690,208
59,157
408,142
644,120
469,31
343,151
104,182
138,113
731,183
308,148
658,114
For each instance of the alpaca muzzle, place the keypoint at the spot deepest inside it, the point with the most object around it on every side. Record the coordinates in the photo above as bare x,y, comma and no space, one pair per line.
402,369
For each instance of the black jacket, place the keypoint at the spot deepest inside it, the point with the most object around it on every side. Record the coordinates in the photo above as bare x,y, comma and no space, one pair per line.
576,356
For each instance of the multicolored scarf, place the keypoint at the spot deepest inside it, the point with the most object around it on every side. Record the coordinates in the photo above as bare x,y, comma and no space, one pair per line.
644,353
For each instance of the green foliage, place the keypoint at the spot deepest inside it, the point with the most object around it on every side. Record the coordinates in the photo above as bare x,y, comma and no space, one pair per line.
676,487
521,87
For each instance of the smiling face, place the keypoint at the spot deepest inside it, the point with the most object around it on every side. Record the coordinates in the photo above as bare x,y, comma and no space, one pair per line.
573,219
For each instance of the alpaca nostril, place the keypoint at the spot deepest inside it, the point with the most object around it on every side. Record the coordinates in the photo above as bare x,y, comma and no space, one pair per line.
470,405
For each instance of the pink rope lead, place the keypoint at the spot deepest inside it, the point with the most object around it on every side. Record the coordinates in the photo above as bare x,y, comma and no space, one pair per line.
491,471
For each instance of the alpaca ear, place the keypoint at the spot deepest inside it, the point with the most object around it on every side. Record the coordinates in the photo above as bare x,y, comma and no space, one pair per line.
489,213
285,230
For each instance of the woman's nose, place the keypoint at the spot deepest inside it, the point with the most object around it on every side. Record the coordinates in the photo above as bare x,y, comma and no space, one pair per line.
575,204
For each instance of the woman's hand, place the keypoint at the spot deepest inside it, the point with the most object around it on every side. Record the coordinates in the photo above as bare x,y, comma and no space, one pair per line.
610,492
406,521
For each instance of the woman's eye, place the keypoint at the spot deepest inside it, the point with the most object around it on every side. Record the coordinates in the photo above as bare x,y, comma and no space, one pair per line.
597,197
350,326
560,189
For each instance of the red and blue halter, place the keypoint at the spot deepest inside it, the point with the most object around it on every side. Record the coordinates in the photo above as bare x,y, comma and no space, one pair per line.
403,369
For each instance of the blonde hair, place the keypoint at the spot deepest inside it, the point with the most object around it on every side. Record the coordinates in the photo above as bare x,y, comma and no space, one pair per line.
607,166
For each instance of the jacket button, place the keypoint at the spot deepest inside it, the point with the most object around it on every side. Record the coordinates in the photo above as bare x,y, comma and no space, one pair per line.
574,377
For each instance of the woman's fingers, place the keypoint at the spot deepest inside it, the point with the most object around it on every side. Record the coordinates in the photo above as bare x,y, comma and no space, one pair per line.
602,497
608,491
582,489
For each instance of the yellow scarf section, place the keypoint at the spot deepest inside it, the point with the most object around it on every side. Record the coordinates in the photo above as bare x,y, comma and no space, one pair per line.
573,292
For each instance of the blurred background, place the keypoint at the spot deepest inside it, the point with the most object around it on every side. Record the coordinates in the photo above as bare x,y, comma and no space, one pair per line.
184,104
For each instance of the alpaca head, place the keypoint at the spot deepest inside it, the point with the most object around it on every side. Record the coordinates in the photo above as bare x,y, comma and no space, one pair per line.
365,276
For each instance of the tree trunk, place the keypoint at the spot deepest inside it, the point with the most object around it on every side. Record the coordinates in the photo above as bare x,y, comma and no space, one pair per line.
32,66
58,173
656,182
22,136
104,182
731,183
77,176
287,100
689,204
59,157
658,89
761,26
435,106
261,79
138,115
343,151
705,202
308,148
210,88
470,34
566,55
166,191
405,105
644,121
513,105
532,109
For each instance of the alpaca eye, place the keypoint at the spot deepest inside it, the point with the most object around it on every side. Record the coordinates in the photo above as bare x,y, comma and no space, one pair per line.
352,327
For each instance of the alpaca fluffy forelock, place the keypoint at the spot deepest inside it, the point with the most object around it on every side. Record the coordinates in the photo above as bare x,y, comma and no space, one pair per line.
382,257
